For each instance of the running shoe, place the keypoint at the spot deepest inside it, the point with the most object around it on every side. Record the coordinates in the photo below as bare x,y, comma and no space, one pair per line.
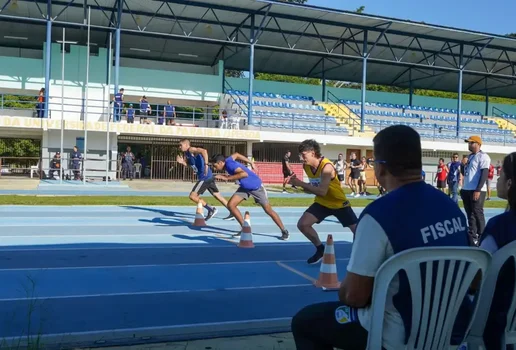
317,257
211,213
285,235
229,217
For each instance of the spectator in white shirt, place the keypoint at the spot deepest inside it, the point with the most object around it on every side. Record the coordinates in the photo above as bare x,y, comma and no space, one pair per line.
474,188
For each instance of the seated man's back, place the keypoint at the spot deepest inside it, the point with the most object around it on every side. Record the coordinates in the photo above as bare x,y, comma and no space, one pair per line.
412,216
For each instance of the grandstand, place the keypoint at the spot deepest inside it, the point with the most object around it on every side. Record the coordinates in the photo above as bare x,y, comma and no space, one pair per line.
190,71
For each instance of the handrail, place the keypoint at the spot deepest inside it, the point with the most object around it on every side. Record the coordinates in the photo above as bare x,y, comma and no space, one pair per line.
496,109
338,103
432,132
504,116
244,111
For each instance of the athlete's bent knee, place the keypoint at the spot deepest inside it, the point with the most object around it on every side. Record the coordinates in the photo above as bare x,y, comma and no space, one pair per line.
194,197
302,225
231,206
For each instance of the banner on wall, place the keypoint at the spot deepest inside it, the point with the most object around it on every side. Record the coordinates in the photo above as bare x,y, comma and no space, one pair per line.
137,129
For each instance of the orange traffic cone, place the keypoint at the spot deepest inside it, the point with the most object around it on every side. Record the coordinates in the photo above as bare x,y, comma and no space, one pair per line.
328,278
246,238
199,216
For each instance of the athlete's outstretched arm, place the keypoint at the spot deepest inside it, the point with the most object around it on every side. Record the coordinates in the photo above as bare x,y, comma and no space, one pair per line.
238,156
322,189
239,174
204,153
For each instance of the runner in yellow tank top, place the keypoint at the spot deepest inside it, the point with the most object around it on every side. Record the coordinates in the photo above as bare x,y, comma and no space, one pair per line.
330,199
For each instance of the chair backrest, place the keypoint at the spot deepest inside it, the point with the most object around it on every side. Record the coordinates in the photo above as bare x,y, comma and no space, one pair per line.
435,301
500,257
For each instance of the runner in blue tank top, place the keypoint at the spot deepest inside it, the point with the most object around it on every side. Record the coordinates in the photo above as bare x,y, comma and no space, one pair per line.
197,159
500,231
412,214
250,186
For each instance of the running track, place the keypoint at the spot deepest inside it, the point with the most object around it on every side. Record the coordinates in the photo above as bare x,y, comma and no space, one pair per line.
91,276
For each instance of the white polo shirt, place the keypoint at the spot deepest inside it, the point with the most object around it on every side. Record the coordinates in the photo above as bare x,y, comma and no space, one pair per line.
371,249
476,163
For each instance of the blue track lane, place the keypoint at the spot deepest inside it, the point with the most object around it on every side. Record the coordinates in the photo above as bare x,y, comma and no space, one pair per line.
127,275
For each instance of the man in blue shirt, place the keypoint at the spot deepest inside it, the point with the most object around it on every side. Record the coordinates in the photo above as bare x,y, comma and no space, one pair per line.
412,214
169,114
454,177
250,186
118,99
76,157
197,159
130,114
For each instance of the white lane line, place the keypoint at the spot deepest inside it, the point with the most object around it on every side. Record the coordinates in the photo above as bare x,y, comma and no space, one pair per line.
38,269
153,292
171,246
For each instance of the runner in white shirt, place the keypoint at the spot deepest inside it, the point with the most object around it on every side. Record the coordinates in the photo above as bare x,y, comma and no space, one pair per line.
340,167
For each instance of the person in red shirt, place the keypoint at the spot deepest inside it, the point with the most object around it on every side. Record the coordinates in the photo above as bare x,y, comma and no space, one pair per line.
490,176
441,175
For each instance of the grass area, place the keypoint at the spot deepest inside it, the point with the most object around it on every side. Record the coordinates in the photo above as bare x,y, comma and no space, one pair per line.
173,201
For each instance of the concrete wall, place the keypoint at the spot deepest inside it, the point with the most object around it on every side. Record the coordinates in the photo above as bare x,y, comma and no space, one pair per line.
22,75
97,142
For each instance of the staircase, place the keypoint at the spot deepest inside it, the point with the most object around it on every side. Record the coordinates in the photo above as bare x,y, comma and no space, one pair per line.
503,124
345,117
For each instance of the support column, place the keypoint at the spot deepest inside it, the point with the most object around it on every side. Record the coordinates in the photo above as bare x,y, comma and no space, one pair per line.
222,72
459,100
364,83
251,74
120,4
48,56
249,149
323,82
411,88
487,100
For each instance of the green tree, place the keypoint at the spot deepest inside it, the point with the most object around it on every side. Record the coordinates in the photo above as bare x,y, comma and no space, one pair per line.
19,148
229,73
19,102
361,9
287,79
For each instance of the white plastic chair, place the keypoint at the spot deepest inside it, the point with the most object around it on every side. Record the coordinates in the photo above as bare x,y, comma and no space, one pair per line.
435,323
138,170
475,339
234,121
34,169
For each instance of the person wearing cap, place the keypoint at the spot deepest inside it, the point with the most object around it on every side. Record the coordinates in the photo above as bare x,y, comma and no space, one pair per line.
411,215
130,114
474,187
55,165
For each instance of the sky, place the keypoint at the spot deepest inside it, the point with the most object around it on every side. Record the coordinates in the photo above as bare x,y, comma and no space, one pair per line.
463,14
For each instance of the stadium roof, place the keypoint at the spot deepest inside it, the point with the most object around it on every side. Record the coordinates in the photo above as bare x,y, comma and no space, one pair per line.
290,39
